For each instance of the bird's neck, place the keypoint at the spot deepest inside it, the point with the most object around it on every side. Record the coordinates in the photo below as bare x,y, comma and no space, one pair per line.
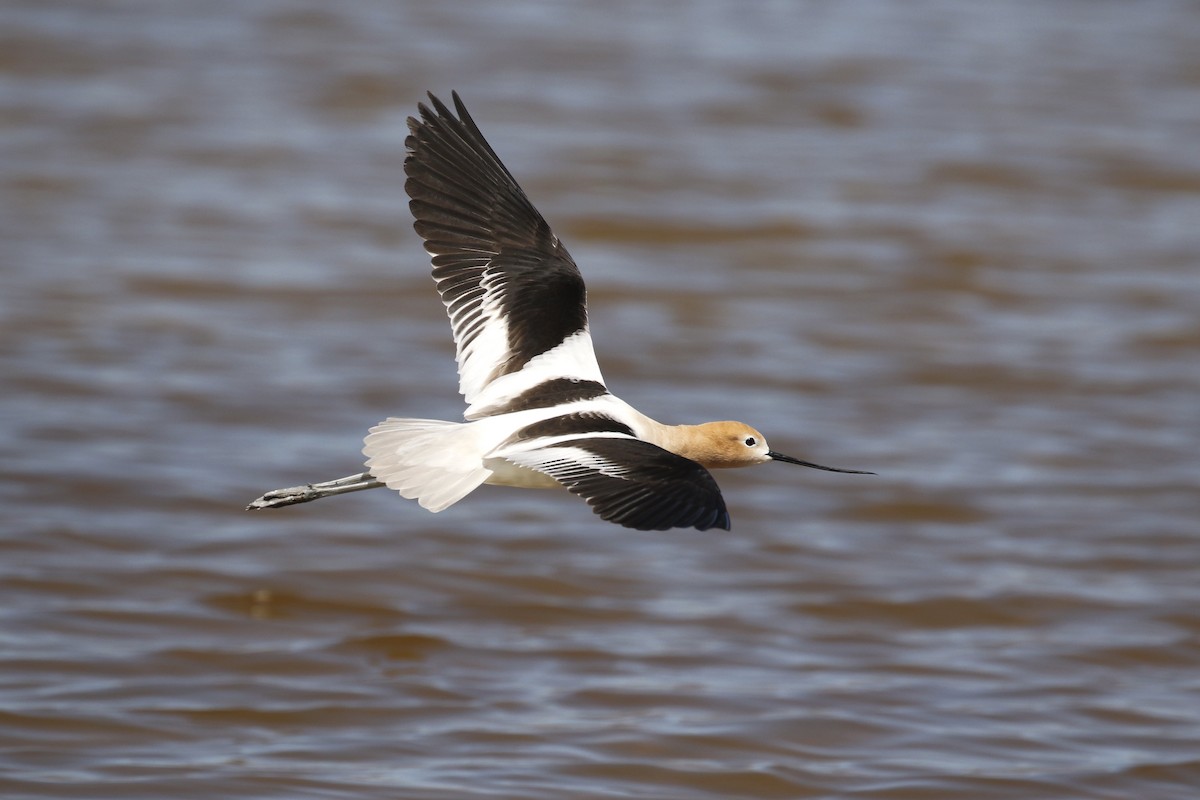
689,441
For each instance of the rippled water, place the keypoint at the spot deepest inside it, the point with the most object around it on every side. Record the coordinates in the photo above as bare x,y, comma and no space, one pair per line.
958,244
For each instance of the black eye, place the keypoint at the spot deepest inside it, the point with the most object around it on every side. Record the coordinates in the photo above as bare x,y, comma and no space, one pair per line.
751,441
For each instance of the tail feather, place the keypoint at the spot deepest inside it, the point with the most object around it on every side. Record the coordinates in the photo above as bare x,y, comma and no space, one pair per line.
434,462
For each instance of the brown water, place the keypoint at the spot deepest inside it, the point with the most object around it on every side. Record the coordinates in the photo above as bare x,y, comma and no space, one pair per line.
958,244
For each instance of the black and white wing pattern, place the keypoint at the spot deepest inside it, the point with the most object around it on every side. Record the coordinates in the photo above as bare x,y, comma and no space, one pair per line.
516,300
631,482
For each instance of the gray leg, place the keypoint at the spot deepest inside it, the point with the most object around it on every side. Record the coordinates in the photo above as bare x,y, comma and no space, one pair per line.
277,498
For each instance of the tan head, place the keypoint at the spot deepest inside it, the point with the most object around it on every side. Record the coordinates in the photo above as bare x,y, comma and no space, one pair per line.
735,444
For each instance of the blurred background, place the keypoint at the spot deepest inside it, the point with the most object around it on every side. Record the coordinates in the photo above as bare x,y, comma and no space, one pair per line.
954,243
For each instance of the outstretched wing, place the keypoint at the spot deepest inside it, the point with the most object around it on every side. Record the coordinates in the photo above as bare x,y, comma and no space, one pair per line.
511,290
631,482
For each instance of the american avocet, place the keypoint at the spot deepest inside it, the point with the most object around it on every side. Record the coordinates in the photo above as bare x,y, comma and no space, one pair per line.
538,412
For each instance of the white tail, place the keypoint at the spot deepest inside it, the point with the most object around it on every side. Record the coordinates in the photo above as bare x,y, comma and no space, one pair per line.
434,462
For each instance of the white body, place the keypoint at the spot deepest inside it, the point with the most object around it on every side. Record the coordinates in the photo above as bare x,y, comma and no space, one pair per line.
437,463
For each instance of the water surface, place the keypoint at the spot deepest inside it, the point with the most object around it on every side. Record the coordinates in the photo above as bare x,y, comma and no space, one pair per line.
956,244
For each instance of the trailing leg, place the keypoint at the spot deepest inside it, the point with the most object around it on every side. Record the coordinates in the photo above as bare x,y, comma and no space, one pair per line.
278,498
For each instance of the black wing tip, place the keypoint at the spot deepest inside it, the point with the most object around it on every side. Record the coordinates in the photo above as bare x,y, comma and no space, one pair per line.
441,110
719,522
425,116
433,98
460,106
465,142
722,522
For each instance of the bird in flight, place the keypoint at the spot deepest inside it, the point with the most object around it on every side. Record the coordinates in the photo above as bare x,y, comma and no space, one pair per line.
538,414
